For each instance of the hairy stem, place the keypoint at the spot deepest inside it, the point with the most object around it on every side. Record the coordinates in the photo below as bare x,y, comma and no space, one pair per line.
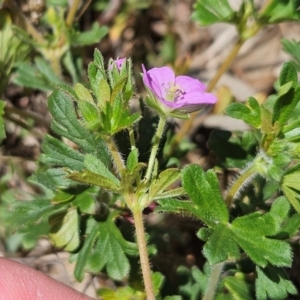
142,246
239,183
157,138
212,83
116,155
213,281
131,138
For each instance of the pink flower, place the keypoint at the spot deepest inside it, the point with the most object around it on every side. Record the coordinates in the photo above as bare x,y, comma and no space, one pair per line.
118,62
181,94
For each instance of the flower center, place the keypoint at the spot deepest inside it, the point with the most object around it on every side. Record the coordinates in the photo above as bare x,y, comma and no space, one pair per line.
173,92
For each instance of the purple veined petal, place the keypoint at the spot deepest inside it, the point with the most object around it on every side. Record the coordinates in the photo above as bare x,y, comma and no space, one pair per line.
191,102
197,98
189,84
179,95
158,80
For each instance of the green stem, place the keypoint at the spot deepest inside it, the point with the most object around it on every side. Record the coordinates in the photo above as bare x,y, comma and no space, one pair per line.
131,138
224,66
157,138
116,155
72,13
142,246
136,210
213,281
239,183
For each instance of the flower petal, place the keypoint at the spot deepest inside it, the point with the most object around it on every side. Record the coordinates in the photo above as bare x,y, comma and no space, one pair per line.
158,80
189,84
197,98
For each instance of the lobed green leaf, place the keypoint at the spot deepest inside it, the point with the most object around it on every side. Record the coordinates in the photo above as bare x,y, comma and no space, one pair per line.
105,246
58,153
64,232
240,111
221,246
272,283
203,189
29,212
207,12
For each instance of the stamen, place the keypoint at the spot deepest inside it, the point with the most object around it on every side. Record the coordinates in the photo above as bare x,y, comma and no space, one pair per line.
173,92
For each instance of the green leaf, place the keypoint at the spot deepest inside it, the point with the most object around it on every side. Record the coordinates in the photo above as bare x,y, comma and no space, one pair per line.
64,232
65,123
291,189
90,114
178,207
90,178
29,212
292,47
178,192
98,80
121,293
121,118
83,93
250,115
281,10
250,233
203,189
73,65
32,233
118,88
291,226
157,281
238,288
59,154
65,120
85,202
221,246
2,128
288,95
132,160
45,70
207,12
102,92
164,180
62,197
266,120
280,209
52,179
96,166
89,37
272,283
288,74
105,246
27,75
